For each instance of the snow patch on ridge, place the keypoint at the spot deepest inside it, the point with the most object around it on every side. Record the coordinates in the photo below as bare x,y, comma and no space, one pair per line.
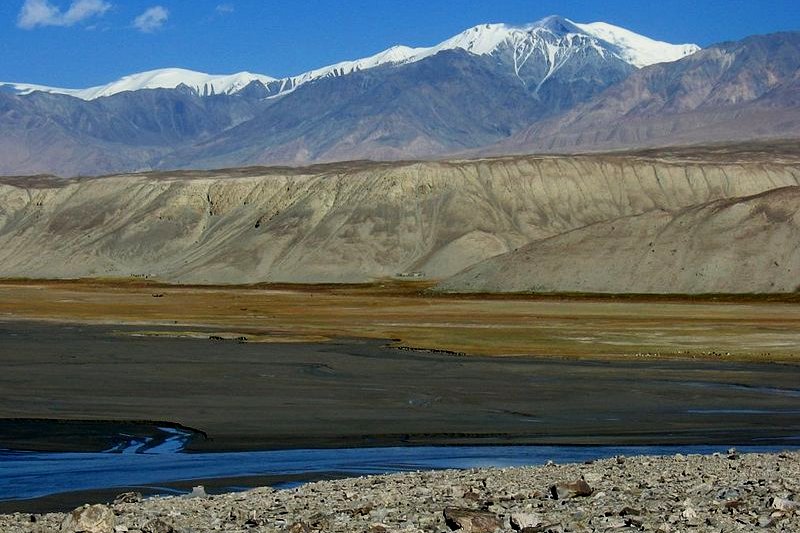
168,78
638,50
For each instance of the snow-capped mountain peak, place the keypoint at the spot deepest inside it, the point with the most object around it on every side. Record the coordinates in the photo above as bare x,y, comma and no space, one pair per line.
550,41
638,50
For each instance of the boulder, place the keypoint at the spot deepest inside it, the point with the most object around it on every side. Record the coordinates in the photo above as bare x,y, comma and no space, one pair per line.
299,527
128,497
562,491
522,521
471,521
782,504
90,519
157,525
198,492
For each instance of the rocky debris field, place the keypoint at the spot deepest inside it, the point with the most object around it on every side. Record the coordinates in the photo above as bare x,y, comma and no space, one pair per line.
716,493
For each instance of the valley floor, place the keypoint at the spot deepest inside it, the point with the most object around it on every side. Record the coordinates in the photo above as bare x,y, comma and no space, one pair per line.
277,367
283,367
721,328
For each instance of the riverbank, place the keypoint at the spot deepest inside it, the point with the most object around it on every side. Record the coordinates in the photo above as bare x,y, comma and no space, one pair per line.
720,493
73,479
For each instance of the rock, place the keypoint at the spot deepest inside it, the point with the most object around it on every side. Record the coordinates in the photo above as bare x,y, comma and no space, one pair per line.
252,522
299,527
782,504
562,491
364,510
128,497
471,521
471,495
634,521
90,519
198,492
765,521
319,521
612,523
157,525
733,505
522,521
238,514
690,516
579,515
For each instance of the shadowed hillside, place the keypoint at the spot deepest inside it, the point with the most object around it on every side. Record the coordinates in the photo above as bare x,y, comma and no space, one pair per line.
740,245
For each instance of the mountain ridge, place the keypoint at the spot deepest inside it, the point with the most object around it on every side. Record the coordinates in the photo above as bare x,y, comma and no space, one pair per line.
564,94
482,39
355,222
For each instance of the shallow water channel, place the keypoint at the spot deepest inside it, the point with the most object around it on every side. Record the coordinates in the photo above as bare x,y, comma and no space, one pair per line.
26,475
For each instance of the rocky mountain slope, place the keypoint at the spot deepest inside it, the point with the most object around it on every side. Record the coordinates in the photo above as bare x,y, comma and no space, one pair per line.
741,90
448,102
363,221
57,134
472,90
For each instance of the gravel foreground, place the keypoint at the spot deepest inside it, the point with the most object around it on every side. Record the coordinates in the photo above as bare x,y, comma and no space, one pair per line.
715,493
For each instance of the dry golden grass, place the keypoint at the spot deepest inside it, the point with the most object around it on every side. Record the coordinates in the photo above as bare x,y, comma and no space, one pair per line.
577,326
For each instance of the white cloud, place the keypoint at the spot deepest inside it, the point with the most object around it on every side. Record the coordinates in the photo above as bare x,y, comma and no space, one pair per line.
225,8
152,19
36,13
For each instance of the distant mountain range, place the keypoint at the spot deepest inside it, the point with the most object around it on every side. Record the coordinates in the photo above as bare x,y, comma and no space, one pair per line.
547,42
554,85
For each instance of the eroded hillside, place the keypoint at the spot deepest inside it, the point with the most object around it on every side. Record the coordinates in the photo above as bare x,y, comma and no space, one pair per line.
741,245
352,222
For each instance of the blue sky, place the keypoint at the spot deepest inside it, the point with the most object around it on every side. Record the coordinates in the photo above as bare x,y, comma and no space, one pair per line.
78,43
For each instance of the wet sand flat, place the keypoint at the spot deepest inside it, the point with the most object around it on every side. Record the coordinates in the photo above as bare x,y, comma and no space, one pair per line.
249,396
